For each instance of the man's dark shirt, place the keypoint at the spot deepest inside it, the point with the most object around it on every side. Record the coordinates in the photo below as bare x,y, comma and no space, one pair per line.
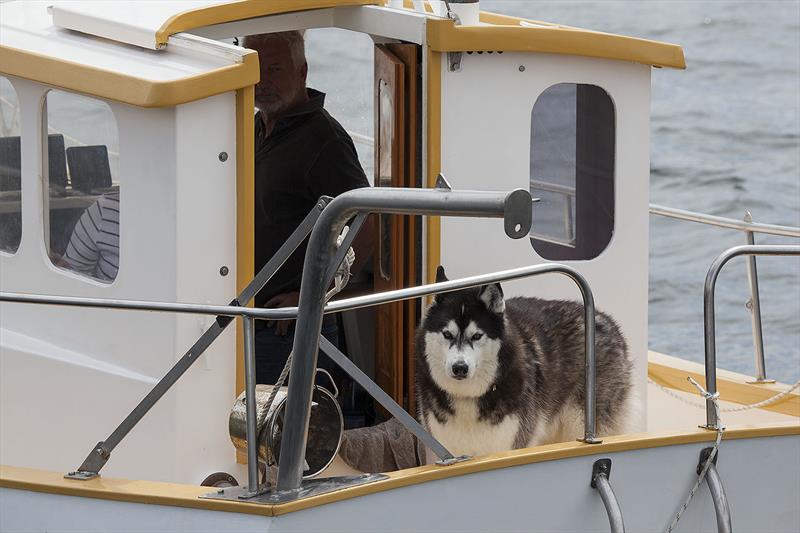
307,155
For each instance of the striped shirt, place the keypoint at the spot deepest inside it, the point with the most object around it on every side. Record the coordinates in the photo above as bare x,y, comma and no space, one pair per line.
93,248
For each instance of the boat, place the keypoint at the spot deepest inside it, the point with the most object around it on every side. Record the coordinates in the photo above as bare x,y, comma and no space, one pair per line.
474,112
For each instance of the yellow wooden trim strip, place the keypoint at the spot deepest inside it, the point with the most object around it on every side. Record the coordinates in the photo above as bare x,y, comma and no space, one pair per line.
433,235
245,211
187,495
444,36
733,387
124,490
243,9
140,92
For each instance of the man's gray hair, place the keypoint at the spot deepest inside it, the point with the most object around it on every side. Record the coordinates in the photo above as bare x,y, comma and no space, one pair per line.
294,39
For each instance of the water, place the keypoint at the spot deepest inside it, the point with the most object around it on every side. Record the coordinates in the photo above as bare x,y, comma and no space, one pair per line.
725,139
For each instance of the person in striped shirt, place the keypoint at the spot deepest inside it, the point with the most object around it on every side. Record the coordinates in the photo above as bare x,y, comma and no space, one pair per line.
93,248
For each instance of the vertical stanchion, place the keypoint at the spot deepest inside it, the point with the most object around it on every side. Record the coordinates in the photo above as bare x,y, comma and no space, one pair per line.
250,404
754,305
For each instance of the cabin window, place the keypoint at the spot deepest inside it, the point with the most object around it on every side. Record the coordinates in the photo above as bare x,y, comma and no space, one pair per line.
82,205
10,170
572,171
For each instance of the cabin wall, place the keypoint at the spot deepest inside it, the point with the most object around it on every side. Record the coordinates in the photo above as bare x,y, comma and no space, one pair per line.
206,242
70,375
486,137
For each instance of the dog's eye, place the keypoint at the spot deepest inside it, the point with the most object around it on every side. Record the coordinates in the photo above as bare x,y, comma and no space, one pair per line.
477,336
447,335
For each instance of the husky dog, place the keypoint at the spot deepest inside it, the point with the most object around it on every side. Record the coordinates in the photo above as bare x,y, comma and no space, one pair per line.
495,374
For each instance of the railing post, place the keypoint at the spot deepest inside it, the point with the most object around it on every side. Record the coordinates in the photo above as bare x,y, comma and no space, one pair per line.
754,306
250,405
709,321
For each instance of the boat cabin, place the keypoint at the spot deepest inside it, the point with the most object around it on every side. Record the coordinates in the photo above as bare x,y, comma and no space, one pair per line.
144,113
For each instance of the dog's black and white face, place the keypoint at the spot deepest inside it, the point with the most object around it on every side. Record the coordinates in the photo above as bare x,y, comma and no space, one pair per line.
463,334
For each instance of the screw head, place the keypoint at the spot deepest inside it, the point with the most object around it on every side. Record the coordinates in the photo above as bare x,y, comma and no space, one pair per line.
223,156
223,271
522,68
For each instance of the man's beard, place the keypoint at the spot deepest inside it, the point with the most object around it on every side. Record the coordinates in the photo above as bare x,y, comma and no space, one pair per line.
274,107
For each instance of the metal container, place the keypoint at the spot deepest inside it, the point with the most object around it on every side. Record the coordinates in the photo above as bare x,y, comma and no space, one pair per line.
325,427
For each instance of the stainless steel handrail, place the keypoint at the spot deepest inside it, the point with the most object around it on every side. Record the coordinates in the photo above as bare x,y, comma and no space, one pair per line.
708,312
321,245
722,222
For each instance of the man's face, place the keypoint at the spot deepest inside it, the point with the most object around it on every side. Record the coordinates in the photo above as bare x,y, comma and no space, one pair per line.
282,82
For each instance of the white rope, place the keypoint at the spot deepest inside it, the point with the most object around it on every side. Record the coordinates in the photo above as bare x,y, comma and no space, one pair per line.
720,431
758,405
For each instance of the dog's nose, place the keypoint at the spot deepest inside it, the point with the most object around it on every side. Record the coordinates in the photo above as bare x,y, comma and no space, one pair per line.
460,370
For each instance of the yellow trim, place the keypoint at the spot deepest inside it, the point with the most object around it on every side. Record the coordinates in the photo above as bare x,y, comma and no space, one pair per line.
445,36
187,496
672,372
433,235
124,88
245,210
243,9
245,217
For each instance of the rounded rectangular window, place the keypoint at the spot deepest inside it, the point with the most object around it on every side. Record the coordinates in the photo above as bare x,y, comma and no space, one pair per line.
10,169
83,203
572,171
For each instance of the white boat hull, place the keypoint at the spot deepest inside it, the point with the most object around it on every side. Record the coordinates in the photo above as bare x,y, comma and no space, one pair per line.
761,478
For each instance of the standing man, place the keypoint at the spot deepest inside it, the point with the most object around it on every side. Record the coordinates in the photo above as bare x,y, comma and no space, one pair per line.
301,153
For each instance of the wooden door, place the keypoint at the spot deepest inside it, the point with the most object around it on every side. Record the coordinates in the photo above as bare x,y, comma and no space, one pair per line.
396,240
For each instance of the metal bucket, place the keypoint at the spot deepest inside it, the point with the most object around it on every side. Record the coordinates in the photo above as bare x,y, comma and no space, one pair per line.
325,427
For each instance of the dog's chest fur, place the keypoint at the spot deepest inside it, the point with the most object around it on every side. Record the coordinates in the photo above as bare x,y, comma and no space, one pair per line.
466,431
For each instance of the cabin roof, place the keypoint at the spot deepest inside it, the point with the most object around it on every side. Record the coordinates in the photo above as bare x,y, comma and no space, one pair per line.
31,47
116,49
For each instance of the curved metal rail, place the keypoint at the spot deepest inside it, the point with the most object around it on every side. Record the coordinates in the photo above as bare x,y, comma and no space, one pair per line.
601,473
721,507
708,311
516,213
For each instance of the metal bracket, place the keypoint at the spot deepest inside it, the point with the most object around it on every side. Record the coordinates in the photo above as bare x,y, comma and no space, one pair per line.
442,183
704,453
81,475
453,460
454,61
600,467
310,487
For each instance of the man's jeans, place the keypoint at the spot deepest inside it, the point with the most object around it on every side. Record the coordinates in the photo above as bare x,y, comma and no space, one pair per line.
272,350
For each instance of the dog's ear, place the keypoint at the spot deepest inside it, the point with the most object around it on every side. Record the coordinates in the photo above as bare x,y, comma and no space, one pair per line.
492,296
440,275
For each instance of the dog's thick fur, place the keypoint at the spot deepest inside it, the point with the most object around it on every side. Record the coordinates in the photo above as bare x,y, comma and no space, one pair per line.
495,374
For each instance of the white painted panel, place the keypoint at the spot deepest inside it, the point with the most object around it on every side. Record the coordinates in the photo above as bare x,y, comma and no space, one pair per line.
69,376
205,242
486,129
